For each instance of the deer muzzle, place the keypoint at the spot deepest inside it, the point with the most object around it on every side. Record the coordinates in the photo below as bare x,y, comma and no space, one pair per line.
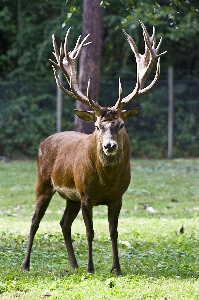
110,147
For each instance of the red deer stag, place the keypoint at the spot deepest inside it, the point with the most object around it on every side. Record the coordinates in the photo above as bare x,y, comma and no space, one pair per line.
94,169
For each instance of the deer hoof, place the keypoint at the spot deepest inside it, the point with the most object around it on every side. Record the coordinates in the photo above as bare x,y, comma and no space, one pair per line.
117,272
24,267
90,270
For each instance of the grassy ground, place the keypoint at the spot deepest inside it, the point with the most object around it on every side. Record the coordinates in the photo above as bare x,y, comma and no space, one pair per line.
157,261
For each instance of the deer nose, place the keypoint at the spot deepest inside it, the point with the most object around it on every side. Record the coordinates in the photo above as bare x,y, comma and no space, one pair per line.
110,148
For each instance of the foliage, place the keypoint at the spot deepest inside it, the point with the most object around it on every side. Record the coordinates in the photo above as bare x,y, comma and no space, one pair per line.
28,116
155,8
157,261
177,25
26,37
150,134
25,48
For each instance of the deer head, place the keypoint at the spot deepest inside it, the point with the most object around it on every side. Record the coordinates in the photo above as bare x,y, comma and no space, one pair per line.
108,120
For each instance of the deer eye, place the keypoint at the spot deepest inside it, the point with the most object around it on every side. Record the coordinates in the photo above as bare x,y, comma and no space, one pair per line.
96,127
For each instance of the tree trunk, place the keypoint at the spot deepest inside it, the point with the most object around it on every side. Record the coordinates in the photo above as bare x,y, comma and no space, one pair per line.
90,59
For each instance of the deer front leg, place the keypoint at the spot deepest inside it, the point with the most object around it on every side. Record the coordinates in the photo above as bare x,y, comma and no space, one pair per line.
43,195
87,213
113,214
70,213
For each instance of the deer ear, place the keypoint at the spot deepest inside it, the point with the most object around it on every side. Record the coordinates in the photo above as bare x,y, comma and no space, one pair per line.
88,116
130,113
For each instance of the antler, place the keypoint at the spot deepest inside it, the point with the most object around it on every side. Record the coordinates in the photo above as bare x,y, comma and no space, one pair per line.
67,63
145,64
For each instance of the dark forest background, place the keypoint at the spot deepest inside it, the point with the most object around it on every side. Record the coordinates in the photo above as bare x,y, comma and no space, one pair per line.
28,89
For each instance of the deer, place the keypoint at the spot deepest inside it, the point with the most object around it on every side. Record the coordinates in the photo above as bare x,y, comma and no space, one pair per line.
88,170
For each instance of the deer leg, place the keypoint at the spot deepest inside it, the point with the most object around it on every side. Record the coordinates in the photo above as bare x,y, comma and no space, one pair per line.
113,214
70,213
43,196
87,213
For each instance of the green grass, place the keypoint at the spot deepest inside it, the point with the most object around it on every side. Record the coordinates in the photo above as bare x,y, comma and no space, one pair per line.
157,261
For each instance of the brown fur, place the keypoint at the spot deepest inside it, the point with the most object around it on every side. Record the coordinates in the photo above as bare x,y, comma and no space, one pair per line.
76,166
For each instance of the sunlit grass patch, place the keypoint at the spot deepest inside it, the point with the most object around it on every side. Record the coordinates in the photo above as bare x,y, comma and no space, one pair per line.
158,262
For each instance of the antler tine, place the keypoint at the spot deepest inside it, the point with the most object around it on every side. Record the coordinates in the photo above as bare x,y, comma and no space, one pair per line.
151,42
118,103
74,51
131,43
59,56
58,82
61,65
67,63
88,89
78,49
120,91
145,63
159,44
55,53
60,62
158,48
153,37
131,96
66,43
147,38
157,75
93,104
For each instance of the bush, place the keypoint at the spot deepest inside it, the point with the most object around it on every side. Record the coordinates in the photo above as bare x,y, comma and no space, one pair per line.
28,116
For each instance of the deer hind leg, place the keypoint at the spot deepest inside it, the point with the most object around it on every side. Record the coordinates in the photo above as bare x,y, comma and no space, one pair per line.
113,214
44,194
70,213
87,213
